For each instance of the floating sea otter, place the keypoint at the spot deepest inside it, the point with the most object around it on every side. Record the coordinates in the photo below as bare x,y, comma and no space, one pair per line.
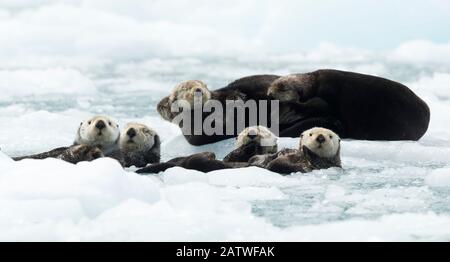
138,145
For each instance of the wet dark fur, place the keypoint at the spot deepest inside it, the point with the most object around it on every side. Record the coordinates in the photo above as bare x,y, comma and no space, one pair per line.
301,161
245,152
286,161
353,105
204,162
142,159
363,107
72,154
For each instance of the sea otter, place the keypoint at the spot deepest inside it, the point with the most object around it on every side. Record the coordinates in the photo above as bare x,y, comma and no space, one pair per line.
99,133
255,140
139,145
357,106
319,148
73,154
204,162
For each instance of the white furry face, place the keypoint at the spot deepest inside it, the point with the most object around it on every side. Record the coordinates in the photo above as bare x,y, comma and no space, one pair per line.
137,137
259,134
99,131
323,142
188,90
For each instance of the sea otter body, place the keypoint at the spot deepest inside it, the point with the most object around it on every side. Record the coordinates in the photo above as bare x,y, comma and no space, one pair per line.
319,148
357,106
255,140
73,154
96,137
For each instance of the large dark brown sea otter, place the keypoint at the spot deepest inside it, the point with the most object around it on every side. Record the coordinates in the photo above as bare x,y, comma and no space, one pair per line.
353,105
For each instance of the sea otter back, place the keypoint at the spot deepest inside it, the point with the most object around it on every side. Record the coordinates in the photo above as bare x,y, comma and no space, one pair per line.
371,107
254,87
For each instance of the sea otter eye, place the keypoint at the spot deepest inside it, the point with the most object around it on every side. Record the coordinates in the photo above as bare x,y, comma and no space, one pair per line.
89,122
109,123
310,134
331,137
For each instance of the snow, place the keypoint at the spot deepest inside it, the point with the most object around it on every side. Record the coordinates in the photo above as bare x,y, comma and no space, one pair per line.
439,178
41,82
64,61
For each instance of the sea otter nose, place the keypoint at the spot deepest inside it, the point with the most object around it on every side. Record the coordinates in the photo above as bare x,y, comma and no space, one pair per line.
320,138
100,124
131,133
252,136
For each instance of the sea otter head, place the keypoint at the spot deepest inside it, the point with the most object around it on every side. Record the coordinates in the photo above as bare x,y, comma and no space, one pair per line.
187,91
99,131
290,88
137,138
260,135
164,109
321,141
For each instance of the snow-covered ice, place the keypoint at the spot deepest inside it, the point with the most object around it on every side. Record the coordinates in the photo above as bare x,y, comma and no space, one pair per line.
63,61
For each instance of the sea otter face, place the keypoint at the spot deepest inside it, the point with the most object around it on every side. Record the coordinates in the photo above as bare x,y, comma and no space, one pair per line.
98,131
164,109
87,152
321,141
137,137
261,135
189,90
